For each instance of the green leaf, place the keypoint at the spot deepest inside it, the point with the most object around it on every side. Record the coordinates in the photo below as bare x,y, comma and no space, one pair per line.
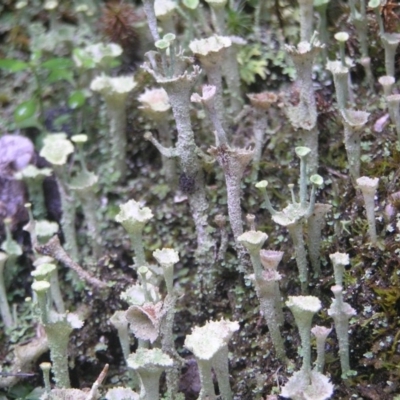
58,63
36,394
83,59
76,100
20,391
114,63
60,75
13,65
253,52
25,110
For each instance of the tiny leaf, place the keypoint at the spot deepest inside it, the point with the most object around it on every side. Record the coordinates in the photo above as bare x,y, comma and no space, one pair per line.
13,65
58,63
60,75
25,110
76,100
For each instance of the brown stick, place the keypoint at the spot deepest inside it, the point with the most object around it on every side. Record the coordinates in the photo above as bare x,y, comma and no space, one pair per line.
54,249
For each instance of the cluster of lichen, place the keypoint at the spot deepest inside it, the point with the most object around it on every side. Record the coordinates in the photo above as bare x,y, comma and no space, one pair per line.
185,199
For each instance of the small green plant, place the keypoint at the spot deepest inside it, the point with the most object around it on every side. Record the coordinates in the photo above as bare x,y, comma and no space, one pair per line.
252,62
45,72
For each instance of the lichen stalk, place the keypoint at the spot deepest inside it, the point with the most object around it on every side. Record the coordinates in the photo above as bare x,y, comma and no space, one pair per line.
293,215
148,6
368,187
115,91
58,337
234,163
232,76
218,18
390,43
168,163
207,386
221,367
4,306
268,309
68,214
304,115
270,260
306,20
259,129
123,335
138,247
56,293
201,16
46,367
360,22
117,116
266,287
150,385
321,333
89,211
306,348
352,142
212,53
41,288
257,19
179,95
168,24
205,343
214,78
119,321
353,10
353,122
296,233
253,241
394,111
168,346
36,192
341,313
156,107
149,364
303,309
310,140
33,178
208,98
84,185
262,186
342,331
303,179
387,83
315,223
340,79
256,263
322,27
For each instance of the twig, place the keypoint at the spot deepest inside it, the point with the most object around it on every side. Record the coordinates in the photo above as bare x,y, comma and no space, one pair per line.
93,391
54,249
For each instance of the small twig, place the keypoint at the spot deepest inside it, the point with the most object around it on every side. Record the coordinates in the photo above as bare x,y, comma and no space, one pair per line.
54,249
168,152
337,173
93,391
25,355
